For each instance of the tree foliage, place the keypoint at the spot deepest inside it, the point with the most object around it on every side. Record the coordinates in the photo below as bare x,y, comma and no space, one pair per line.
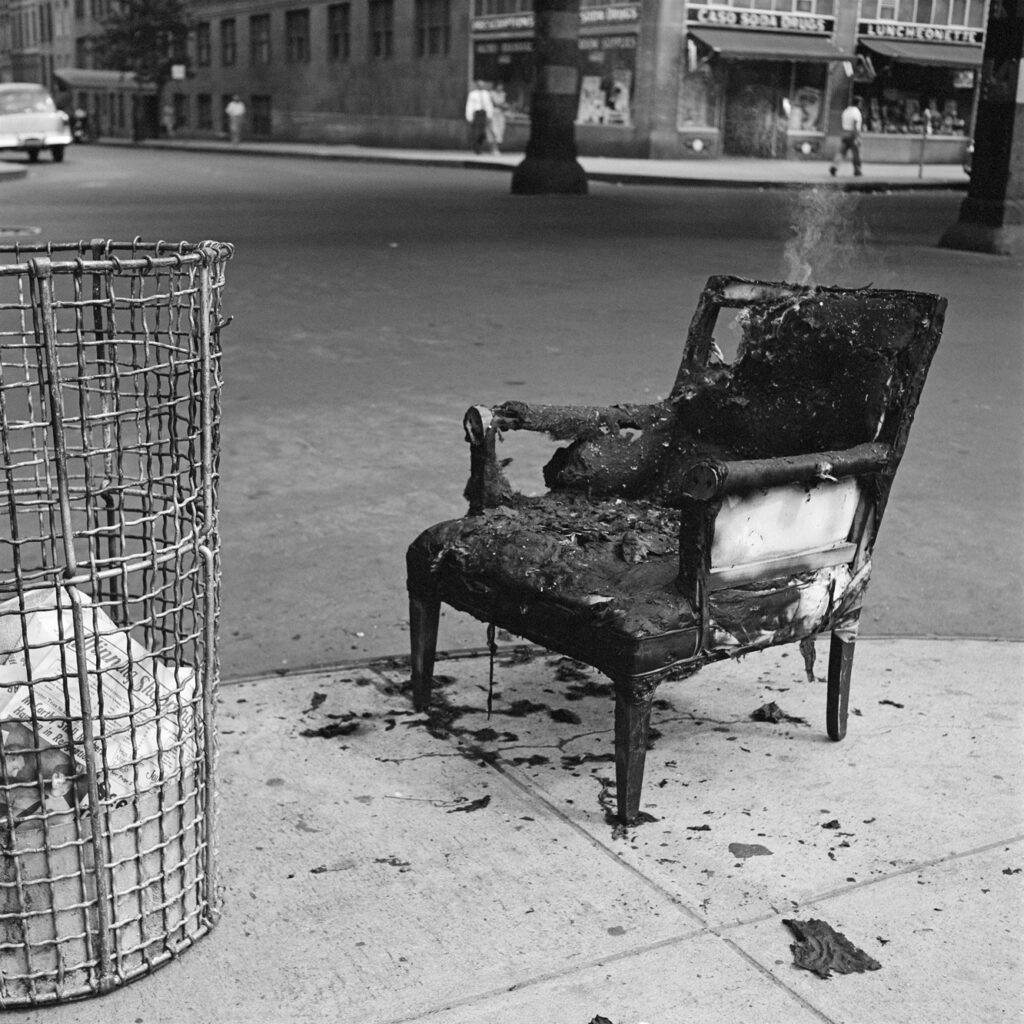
144,36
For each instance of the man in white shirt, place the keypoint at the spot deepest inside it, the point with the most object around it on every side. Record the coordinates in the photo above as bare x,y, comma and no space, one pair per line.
851,121
479,110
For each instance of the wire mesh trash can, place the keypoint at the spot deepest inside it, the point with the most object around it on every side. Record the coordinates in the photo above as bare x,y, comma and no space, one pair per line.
110,377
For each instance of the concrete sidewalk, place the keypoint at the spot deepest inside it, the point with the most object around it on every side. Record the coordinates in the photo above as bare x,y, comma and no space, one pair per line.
463,870
737,172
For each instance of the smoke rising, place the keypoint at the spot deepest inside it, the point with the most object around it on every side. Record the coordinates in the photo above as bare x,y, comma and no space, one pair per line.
829,237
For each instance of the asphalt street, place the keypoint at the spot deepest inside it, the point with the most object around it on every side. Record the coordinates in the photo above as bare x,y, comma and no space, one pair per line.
373,303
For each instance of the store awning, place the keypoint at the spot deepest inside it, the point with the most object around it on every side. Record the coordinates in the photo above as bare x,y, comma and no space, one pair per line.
935,54
91,78
737,44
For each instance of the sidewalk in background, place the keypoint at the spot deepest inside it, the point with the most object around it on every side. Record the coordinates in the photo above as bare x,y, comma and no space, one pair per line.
726,172
464,871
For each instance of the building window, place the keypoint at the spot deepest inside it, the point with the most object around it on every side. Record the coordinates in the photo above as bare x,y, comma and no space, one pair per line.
180,102
203,44
959,13
204,112
228,43
261,115
483,7
433,27
339,31
382,21
296,34
259,39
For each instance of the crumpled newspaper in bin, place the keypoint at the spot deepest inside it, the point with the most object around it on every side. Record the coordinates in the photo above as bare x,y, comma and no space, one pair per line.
142,710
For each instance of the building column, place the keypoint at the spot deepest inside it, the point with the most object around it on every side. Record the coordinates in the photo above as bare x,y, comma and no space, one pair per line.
661,47
551,164
992,215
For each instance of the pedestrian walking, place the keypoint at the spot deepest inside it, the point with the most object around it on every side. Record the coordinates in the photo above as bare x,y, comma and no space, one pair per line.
235,113
167,118
496,127
851,122
479,110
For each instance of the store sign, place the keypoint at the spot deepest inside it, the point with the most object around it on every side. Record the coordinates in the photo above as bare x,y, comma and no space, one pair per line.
766,21
590,17
920,33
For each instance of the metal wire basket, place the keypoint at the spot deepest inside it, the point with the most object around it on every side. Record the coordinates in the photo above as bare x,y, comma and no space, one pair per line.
110,377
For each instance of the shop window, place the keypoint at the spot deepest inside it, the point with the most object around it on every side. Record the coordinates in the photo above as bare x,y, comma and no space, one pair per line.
698,91
261,121
339,31
905,10
228,43
203,44
259,39
941,13
483,7
433,27
382,28
204,112
607,68
296,35
913,99
180,110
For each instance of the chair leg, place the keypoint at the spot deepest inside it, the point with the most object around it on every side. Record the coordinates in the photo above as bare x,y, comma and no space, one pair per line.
424,614
840,667
632,721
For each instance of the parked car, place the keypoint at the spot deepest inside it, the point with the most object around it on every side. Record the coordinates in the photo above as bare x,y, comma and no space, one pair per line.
31,122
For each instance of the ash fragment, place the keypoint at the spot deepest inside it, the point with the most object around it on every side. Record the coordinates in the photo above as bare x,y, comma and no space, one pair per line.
472,805
315,701
821,949
333,729
569,671
532,761
891,703
565,715
771,712
575,760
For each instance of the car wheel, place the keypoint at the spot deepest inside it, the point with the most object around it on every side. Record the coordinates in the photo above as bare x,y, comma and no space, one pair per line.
33,156
57,152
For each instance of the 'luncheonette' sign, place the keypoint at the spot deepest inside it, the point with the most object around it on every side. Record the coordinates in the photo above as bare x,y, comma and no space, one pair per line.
920,33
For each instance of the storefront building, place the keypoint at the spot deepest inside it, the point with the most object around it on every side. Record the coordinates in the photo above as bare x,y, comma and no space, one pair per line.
769,78
920,91
656,78
609,84
752,78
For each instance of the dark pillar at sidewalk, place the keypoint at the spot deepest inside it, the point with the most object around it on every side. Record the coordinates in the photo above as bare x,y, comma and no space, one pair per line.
992,215
550,164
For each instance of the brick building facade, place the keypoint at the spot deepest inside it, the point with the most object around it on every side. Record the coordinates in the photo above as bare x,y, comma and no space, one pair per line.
660,78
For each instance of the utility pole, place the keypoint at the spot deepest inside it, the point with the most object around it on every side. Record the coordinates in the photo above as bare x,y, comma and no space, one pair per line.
992,215
550,164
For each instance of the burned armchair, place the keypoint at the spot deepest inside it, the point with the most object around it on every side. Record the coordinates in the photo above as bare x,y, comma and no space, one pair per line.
739,513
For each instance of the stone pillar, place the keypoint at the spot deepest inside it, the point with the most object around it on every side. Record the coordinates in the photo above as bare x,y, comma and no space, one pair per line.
992,215
550,164
662,33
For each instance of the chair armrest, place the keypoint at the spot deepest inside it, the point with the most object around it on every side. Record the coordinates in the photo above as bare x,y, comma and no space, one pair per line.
488,487
572,422
712,479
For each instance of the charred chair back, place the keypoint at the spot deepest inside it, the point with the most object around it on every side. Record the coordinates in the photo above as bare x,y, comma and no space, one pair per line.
738,514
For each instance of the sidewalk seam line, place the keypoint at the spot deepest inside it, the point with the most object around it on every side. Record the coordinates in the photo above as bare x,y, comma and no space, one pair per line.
401,661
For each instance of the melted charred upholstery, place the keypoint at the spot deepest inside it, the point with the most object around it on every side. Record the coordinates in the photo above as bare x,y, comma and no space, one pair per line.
614,565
